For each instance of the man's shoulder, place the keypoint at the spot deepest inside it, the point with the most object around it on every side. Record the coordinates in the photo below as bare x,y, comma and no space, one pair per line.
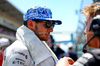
16,50
17,54
90,58
16,46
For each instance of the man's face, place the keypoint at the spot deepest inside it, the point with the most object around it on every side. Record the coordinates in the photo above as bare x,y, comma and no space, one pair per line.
89,34
41,31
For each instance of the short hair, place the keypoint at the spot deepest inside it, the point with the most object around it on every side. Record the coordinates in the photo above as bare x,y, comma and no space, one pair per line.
25,23
92,9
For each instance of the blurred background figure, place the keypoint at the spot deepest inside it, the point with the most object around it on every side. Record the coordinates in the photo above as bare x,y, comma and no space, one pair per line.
4,42
56,49
72,54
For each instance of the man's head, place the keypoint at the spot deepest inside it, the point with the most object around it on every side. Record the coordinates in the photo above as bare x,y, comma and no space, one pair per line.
39,19
90,12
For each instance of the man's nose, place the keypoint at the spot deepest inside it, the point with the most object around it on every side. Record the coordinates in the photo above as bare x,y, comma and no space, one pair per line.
50,29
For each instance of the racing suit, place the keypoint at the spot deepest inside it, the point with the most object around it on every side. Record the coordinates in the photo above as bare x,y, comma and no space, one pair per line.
27,50
90,58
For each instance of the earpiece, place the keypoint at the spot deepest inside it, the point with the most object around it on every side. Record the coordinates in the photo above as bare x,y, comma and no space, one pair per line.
95,25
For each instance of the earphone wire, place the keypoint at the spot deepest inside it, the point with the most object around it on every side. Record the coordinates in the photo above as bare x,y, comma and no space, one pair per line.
84,47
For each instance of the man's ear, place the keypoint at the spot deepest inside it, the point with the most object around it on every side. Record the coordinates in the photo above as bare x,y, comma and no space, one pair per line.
30,24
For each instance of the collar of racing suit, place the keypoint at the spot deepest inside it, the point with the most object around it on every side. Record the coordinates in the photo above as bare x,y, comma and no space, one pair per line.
36,48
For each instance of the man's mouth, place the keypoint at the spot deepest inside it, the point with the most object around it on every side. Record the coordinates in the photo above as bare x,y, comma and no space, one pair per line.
47,32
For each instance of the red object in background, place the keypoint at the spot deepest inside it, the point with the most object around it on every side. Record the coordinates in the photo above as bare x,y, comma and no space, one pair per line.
1,57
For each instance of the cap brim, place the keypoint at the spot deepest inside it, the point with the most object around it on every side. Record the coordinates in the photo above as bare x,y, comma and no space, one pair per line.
56,22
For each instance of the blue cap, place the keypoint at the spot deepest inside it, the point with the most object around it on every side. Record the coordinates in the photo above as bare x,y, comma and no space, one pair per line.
39,12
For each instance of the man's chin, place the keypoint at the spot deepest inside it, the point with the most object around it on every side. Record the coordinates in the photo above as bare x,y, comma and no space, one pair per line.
43,39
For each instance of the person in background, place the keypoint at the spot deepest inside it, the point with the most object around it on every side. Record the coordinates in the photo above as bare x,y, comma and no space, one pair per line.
4,43
30,48
72,54
56,49
92,32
